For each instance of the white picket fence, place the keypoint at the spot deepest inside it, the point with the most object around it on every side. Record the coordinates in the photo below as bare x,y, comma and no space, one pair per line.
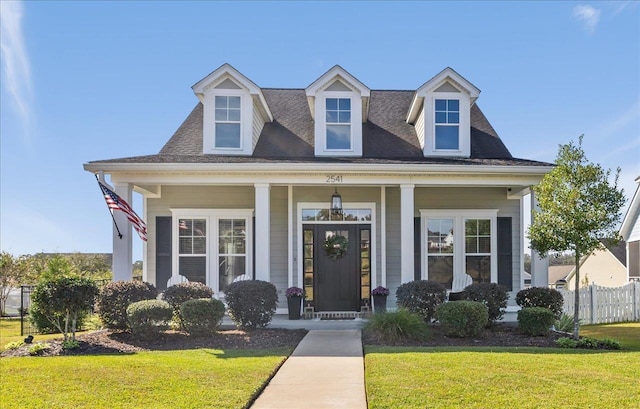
600,305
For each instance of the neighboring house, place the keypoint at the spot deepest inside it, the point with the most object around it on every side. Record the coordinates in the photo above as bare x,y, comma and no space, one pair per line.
630,232
558,275
606,268
244,189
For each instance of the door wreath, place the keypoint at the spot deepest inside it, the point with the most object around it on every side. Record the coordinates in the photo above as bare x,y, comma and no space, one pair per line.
336,246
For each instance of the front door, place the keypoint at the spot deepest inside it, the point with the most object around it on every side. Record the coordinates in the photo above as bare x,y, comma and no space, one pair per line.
337,282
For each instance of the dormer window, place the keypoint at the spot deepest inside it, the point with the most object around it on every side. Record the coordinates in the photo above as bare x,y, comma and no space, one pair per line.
441,114
227,122
447,124
339,105
338,120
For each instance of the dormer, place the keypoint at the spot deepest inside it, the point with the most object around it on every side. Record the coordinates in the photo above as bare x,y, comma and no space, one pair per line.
235,112
441,113
339,104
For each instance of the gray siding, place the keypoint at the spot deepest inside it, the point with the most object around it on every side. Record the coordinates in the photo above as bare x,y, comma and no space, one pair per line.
278,242
419,125
257,124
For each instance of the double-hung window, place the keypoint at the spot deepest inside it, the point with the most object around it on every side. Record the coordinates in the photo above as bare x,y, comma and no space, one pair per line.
227,122
338,122
459,242
447,124
213,246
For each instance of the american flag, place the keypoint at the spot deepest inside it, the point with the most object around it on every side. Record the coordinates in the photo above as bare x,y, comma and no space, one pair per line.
115,202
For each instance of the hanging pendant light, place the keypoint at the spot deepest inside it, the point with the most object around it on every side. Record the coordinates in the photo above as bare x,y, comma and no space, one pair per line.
336,202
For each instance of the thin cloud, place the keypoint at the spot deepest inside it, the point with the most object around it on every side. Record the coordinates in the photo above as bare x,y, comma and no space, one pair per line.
588,15
16,69
626,118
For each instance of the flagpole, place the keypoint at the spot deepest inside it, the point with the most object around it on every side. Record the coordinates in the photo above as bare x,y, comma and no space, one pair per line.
110,212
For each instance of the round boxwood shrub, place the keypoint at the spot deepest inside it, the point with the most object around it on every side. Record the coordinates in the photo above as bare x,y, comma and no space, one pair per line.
421,297
397,326
493,295
179,293
535,321
202,316
116,296
251,303
149,317
541,297
463,318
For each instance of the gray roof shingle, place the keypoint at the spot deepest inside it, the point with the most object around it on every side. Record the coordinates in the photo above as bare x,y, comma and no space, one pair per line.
387,137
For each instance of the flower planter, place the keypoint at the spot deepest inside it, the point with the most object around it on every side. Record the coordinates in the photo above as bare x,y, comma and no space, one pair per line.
294,304
379,303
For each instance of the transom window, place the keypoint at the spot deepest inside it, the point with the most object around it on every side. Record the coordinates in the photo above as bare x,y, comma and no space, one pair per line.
338,120
227,122
447,124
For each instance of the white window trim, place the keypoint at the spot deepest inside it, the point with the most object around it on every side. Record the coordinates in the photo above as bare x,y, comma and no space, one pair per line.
435,125
209,122
212,216
459,249
320,128
350,124
464,125
215,137
325,205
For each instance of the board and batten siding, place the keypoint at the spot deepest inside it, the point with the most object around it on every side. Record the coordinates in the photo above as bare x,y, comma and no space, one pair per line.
190,197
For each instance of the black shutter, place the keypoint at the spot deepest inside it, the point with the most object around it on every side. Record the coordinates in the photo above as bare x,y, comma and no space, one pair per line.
163,251
416,248
505,253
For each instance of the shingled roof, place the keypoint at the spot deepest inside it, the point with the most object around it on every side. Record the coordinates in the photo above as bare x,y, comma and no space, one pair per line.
387,137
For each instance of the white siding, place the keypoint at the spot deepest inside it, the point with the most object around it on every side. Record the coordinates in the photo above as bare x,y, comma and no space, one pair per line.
420,128
257,125
635,231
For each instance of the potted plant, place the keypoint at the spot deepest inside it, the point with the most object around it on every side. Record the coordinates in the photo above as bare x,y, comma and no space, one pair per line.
380,299
294,301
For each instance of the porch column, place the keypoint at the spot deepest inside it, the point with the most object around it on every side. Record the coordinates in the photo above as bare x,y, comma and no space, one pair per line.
121,266
262,233
406,233
539,262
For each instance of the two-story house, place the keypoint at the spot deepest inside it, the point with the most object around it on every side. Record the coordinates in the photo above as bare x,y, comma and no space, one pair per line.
256,182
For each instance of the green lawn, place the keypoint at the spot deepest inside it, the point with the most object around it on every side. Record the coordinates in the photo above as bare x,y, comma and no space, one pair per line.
10,332
177,379
507,377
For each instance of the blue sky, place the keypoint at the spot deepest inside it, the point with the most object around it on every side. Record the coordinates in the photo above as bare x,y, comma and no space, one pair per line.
84,81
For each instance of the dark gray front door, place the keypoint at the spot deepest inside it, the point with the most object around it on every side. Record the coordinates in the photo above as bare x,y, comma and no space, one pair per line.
337,282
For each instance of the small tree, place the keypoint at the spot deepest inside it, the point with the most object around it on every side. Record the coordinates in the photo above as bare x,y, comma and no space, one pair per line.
64,300
578,209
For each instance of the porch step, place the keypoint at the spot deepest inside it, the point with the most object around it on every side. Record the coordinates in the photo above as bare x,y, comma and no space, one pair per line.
336,315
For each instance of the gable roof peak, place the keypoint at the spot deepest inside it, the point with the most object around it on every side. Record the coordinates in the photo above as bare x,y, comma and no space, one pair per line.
337,72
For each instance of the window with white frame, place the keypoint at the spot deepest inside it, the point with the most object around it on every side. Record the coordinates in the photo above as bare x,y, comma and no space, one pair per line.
447,124
227,122
213,246
459,242
338,123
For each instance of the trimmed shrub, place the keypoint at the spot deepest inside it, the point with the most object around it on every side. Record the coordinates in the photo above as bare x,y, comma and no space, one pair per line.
63,301
251,303
463,318
149,317
421,297
396,326
541,297
493,295
566,342
535,321
179,293
116,296
202,316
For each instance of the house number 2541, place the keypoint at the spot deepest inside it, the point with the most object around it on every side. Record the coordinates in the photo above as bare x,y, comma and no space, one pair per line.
334,179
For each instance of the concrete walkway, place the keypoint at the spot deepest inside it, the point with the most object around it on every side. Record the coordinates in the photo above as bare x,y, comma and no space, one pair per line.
326,370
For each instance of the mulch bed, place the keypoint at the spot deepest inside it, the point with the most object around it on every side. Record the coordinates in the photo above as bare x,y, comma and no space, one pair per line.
108,342
500,335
